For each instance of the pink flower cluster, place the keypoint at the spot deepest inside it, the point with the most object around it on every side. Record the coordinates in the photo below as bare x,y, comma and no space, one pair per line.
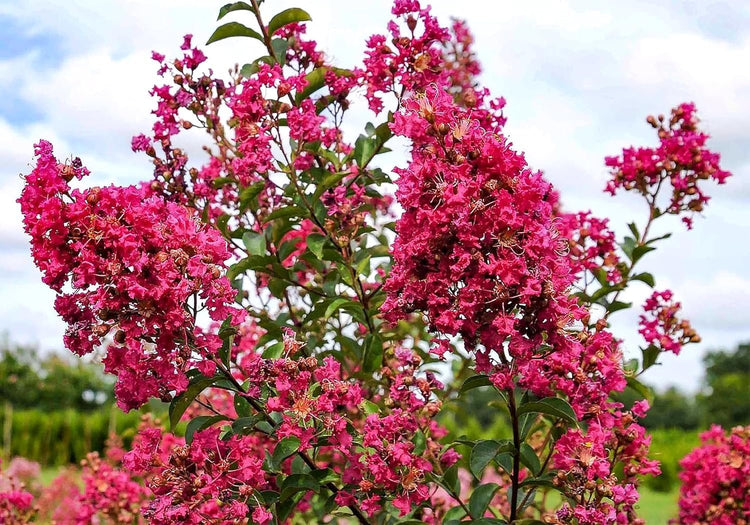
210,478
681,159
660,326
16,503
716,479
389,466
586,474
592,244
476,249
138,267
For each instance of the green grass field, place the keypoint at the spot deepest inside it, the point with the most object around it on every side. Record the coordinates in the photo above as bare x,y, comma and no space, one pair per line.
658,508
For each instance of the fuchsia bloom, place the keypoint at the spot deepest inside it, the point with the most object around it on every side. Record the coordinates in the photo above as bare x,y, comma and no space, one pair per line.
716,479
681,159
476,247
592,244
660,326
133,262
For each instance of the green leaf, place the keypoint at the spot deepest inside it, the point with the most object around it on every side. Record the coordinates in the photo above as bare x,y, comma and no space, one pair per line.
279,46
286,211
640,251
248,196
201,423
650,356
639,387
368,407
328,182
481,498
180,403
541,481
615,306
298,483
454,515
484,452
530,459
235,6
634,230
335,305
274,351
450,479
285,448
242,423
315,242
475,381
644,277
315,81
551,406
277,287
420,443
373,355
489,521
254,242
241,406
233,29
287,16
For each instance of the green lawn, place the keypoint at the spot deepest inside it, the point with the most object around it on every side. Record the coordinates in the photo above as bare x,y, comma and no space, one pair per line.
657,508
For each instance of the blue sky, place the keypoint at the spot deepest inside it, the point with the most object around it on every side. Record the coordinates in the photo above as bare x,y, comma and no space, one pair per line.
579,78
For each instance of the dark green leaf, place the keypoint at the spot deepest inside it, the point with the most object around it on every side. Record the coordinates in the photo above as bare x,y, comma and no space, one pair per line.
551,406
233,29
634,230
235,6
287,16
274,351
640,251
639,387
286,211
454,515
373,355
285,448
650,356
180,403
241,406
255,243
530,459
644,277
475,381
481,498
315,242
201,423
277,287
450,479
335,305
484,452
615,306
279,46
298,483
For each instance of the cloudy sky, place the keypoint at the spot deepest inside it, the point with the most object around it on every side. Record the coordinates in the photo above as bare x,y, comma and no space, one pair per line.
579,78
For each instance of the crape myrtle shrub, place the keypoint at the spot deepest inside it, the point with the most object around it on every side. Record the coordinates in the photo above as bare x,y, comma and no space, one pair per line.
261,295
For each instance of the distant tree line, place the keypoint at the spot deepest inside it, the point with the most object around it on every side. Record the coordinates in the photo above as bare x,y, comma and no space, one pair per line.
724,397
48,382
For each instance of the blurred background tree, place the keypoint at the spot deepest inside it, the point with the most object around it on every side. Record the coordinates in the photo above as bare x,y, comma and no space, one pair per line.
725,398
49,382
